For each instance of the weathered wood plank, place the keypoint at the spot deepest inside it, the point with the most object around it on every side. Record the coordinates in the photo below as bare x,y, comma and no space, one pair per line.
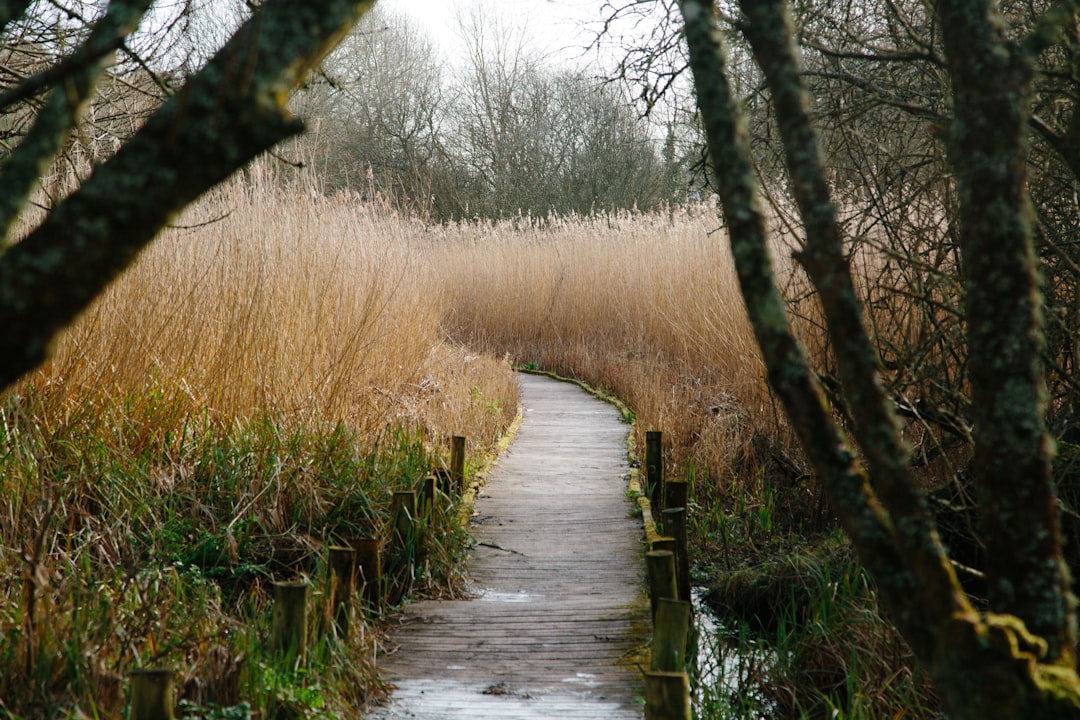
558,611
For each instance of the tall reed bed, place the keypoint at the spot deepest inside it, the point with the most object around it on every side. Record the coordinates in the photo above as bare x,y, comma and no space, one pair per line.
643,305
251,391
646,306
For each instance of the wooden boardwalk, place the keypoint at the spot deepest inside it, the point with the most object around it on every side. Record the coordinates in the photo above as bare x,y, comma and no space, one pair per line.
559,609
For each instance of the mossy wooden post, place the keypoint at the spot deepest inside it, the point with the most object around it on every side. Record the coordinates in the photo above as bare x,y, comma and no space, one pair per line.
342,567
660,570
664,542
153,695
675,526
403,512
369,563
289,628
675,493
429,494
671,630
654,469
667,695
457,464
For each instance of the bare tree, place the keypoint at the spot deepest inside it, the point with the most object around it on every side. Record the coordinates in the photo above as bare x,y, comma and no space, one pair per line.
379,106
541,139
1018,658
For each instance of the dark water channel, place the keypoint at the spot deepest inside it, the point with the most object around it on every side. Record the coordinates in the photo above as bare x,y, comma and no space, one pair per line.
731,669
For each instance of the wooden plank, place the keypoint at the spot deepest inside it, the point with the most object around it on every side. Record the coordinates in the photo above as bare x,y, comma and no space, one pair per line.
558,611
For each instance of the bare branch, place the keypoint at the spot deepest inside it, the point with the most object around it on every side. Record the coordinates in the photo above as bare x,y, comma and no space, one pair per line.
61,111
231,111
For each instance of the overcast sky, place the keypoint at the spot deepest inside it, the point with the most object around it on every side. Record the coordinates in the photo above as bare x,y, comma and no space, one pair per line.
559,28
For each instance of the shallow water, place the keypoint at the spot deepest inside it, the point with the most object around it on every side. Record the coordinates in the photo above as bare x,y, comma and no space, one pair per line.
727,685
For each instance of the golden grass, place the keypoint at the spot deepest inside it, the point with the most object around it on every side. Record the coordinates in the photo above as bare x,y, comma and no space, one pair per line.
251,390
309,308
328,308
646,306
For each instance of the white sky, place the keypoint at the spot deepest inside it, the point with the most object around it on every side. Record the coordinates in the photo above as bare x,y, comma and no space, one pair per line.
559,28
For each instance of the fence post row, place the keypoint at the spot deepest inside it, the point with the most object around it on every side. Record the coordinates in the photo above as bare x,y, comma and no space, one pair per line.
667,565
359,566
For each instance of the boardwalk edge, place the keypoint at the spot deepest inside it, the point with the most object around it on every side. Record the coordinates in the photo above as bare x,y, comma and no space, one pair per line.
479,476
634,488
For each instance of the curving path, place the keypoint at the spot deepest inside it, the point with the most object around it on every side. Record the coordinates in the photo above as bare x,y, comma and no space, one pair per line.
559,609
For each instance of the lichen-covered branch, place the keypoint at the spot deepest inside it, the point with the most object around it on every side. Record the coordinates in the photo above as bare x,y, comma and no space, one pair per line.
61,110
991,80
231,111
850,494
986,665
767,26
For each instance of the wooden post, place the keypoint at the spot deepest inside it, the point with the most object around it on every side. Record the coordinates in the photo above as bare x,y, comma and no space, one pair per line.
428,497
665,542
675,525
457,464
660,570
403,513
342,567
443,481
370,565
430,490
675,493
289,631
670,633
153,695
654,469
667,695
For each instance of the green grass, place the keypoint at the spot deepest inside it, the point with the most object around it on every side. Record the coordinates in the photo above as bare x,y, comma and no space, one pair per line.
802,637
149,539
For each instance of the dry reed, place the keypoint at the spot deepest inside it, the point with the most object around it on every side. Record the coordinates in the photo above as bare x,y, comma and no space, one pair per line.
323,312
646,306
263,300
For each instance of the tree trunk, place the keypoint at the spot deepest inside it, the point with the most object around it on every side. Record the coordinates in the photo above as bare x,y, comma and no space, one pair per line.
1017,665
